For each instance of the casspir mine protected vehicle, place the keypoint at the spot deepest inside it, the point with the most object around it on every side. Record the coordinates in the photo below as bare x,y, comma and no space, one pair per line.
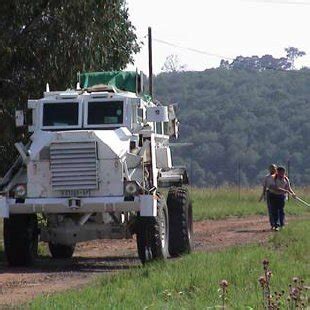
92,169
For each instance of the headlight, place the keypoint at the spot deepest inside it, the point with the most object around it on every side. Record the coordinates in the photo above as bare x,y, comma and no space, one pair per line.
131,188
20,191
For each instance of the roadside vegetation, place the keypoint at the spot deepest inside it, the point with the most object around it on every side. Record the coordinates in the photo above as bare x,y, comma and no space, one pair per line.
192,282
223,202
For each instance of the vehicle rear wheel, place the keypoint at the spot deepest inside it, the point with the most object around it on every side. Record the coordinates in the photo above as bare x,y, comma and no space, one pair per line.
61,250
20,234
153,235
180,221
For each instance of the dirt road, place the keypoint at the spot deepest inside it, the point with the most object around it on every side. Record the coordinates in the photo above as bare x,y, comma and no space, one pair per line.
19,285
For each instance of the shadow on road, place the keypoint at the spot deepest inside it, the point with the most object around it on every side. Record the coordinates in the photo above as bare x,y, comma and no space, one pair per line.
253,231
45,264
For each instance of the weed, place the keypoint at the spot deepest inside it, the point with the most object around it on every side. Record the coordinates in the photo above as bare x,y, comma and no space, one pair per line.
296,298
224,291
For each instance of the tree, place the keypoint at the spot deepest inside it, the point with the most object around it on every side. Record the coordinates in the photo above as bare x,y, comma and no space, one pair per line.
266,62
50,41
224,64
292,53
172,64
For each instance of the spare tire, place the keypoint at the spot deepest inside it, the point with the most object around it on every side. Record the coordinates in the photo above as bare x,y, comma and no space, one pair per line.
61,250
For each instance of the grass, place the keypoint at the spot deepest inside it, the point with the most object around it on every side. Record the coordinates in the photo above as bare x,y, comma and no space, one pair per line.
192,281
220,203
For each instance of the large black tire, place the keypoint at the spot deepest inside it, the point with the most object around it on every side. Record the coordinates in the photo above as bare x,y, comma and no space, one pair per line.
20,233
180,221
153,235
59,251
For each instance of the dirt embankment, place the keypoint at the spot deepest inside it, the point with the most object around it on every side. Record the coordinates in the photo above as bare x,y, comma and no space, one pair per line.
18,285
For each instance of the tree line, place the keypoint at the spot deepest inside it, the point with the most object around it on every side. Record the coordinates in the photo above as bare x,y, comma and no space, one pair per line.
265,62
239,121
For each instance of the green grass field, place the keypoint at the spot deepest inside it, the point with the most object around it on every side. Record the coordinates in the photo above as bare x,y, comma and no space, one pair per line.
192,281
219,203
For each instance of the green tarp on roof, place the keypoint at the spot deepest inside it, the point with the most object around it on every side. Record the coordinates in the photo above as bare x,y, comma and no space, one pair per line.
123,80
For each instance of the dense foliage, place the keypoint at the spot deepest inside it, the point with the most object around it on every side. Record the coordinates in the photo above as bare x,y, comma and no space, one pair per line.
50,41
239,122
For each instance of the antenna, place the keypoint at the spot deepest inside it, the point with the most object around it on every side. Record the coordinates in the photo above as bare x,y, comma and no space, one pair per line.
150,62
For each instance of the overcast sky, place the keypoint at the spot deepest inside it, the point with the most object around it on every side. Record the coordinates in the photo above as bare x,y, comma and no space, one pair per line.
220,28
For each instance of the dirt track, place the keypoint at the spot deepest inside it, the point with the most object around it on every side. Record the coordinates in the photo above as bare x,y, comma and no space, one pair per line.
98,257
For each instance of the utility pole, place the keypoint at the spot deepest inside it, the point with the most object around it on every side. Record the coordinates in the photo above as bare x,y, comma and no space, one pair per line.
239,180
288,167
150,62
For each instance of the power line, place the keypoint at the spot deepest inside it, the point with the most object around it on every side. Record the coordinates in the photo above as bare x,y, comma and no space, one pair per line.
280,2
192,49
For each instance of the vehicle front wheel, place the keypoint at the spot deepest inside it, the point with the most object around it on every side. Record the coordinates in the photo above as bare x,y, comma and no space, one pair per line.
153,235
20,234
180,221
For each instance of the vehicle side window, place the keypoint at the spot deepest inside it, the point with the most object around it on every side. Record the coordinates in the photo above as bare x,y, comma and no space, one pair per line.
140,115
134,114
159,128
166,128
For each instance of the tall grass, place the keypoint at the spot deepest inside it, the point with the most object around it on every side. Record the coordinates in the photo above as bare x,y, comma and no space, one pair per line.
223,202
192,281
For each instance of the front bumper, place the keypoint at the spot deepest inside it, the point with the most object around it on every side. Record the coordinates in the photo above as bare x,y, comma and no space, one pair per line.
145,204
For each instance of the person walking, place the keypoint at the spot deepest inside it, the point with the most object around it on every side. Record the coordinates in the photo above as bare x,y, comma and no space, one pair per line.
267,182
278,192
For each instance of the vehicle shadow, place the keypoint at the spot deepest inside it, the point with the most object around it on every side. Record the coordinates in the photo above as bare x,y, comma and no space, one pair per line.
45,264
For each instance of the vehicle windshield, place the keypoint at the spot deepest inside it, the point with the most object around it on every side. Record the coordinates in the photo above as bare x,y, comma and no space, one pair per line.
61,114
105,113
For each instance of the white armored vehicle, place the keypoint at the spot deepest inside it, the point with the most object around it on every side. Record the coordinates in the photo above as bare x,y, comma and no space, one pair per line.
96,160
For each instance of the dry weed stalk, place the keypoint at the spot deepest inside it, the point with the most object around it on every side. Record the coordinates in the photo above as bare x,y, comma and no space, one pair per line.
296,299
224,290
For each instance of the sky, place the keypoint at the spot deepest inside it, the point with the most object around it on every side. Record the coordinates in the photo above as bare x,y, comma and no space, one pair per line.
219,29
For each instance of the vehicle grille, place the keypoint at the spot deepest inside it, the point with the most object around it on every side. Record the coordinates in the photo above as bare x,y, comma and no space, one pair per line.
74,165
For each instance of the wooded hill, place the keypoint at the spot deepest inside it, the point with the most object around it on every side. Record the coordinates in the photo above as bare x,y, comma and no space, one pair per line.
239,122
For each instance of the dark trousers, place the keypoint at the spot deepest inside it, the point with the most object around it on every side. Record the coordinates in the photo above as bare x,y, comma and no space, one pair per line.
271,221
277,203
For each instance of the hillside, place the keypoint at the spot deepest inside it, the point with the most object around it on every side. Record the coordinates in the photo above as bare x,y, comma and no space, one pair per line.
239,122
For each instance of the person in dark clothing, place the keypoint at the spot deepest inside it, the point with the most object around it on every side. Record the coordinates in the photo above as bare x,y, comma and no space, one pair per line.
277,195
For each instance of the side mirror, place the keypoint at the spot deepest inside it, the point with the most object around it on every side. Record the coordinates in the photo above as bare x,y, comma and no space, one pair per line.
19,118
157,114
32,116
